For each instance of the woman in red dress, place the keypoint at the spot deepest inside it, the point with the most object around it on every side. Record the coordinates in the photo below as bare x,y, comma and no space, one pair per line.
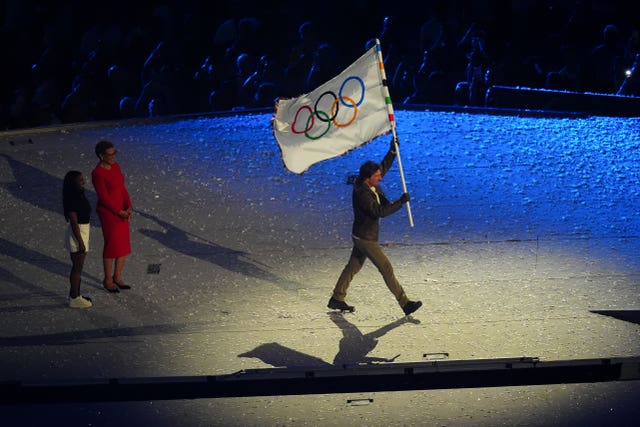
114,210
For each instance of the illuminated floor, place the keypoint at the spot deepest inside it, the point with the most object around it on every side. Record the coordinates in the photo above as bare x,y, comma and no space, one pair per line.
523,228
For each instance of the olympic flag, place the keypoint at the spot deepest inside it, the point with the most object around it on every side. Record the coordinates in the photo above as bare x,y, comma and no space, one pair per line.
349,110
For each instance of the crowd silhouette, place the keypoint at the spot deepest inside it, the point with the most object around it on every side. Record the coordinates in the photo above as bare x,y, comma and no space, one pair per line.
73,61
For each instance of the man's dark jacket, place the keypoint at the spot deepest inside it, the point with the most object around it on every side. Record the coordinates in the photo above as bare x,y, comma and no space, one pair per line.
366,209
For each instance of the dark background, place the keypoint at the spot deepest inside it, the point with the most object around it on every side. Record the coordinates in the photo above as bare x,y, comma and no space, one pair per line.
74,61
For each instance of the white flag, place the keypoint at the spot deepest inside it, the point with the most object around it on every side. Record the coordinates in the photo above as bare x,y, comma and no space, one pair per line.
349,110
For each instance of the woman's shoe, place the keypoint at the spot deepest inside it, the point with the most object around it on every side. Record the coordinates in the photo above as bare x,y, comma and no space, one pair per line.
111,288
80,302
121,285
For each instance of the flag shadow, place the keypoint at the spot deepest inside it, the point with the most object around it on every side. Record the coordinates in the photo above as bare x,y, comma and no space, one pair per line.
279,356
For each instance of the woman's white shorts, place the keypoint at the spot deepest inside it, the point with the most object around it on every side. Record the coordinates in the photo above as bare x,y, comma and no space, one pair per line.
70,239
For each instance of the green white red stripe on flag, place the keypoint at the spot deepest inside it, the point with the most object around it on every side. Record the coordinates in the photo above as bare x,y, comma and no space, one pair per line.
392,121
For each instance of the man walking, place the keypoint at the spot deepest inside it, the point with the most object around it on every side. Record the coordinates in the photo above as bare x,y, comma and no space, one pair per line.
369,205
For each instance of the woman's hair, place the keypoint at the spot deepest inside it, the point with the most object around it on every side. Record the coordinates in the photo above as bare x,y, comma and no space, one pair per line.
102,147
70,191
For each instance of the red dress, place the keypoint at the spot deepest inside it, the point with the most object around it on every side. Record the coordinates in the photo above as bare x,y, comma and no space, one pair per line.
113,197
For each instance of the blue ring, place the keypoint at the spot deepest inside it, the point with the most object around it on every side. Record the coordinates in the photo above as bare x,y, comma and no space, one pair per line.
342,87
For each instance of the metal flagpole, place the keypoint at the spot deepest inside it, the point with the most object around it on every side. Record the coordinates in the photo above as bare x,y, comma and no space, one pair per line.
392,120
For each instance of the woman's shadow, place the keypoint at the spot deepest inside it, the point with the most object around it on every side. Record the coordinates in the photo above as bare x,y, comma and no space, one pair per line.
353,349
40,188
34,186
230,259
44,191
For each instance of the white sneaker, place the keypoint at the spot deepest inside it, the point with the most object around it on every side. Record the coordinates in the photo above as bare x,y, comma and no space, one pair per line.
80,302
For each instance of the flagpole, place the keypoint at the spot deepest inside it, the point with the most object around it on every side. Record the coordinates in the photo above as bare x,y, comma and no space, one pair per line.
387,96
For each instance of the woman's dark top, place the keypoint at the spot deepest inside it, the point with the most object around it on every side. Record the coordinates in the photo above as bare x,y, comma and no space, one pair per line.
79,204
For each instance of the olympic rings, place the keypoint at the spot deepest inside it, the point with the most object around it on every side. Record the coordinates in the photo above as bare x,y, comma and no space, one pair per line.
323,116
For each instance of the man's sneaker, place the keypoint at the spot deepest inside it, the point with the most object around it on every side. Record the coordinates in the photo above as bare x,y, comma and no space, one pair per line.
411,306
339,305
80,302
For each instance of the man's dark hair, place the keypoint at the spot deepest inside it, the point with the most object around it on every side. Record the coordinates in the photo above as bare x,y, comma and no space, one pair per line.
367,169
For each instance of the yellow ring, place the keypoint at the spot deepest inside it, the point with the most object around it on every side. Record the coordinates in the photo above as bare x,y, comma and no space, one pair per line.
355,111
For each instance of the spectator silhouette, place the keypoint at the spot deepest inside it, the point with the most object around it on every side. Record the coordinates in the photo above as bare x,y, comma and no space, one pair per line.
578,28
229,94
394,48
266,95
631,48
104,33
45,98
429,83
122,85
445,63
235,38
248,37
19,113
127,107
163,94
263,83
432,31
323,68
402,81
89,89
157,59
205,81
301,59
79,105
569,76
605,72
52,70
472,90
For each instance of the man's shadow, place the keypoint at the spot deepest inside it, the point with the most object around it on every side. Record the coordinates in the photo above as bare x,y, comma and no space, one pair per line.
354,347
230,259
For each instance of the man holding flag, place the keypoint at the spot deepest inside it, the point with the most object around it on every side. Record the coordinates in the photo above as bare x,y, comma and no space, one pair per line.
349,110
369,205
